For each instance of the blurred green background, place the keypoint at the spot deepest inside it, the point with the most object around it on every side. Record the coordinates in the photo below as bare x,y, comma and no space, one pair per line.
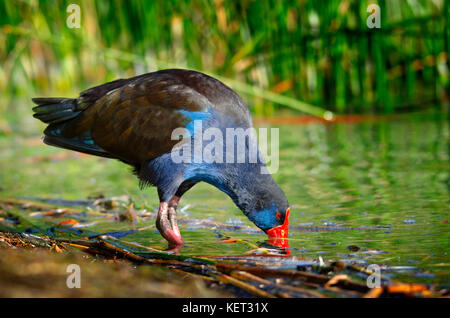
307,56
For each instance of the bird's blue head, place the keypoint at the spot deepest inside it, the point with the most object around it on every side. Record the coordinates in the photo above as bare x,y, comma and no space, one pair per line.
269,218
270,212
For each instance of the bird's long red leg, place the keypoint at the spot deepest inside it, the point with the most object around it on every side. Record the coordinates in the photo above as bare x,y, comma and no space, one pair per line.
166,223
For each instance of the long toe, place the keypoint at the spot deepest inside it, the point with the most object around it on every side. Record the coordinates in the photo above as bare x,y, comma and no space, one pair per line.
173,220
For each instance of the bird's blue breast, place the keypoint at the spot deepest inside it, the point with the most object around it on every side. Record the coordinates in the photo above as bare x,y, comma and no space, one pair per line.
211,172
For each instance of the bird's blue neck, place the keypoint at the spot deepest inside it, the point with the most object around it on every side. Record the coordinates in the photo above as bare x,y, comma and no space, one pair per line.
240,181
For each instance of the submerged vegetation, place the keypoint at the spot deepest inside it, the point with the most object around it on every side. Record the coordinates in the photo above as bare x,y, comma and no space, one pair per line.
260,272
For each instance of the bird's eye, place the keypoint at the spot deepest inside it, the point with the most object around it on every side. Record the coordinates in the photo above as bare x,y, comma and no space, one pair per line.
278,216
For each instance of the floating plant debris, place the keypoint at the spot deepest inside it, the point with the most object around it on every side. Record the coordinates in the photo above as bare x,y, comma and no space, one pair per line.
353,248
261,271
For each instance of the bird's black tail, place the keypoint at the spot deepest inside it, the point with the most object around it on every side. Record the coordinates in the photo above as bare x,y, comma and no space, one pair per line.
55,110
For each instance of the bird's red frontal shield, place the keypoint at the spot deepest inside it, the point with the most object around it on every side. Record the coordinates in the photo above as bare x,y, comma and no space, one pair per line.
280,231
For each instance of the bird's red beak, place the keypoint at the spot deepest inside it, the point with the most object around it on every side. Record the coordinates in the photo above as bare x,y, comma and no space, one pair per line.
278,235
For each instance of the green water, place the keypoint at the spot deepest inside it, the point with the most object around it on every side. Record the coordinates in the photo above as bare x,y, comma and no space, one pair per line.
388,173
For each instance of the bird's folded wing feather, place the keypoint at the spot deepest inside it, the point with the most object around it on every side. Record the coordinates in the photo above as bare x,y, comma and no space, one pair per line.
133,119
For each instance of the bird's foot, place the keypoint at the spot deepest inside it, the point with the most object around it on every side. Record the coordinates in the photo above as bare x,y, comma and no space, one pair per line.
166,223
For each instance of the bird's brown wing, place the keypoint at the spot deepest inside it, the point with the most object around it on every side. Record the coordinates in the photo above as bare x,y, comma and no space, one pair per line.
133,119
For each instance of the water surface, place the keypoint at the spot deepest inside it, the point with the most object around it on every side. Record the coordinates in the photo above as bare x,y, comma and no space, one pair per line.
387,177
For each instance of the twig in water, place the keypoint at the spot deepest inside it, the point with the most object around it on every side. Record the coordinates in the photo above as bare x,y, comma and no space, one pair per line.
244,286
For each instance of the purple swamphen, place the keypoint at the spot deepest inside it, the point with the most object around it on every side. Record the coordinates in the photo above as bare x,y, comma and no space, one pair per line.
133,120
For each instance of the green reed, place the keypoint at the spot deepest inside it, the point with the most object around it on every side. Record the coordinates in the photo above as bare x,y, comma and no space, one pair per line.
315,57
